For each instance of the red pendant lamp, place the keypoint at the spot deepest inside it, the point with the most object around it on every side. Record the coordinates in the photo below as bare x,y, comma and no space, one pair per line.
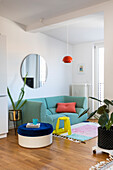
67,58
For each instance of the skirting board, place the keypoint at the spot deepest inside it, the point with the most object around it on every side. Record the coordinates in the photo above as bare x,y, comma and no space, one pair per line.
3,135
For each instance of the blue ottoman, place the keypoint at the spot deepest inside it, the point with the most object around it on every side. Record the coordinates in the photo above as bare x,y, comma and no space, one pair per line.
35,137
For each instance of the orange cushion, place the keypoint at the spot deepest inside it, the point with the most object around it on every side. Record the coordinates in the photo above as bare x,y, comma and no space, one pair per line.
66,107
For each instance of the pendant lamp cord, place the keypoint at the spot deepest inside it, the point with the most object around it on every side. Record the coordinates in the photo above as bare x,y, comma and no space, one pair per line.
67,39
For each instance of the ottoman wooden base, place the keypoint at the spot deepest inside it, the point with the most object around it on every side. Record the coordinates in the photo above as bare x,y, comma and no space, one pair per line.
34,142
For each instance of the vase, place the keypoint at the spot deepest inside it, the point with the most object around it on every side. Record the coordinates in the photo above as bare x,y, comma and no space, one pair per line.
105,138
15,115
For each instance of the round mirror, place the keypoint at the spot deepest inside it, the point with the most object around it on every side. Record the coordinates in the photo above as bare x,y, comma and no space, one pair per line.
36,69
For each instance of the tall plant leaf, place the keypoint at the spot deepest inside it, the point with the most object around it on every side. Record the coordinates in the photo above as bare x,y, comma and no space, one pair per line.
108,102
22,104
20,99
107,110
22,89
108,125
9,94
112,117
95,99
21,95
85,111
92,114
101,109
104,118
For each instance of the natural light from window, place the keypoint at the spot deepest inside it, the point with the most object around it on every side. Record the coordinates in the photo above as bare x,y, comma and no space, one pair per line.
101,73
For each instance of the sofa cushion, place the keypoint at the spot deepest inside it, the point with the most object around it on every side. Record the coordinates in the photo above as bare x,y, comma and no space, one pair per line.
52,101
52,110
66,107
79,111
52,119
48,112
42,100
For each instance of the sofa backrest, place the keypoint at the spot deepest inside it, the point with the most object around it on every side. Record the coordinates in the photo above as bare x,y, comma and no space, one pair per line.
39,100
52,101
81,102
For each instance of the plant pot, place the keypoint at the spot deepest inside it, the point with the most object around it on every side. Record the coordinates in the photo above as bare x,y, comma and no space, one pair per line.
15,115
105,138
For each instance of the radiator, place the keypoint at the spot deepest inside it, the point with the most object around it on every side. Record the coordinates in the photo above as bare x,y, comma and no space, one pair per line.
80,90
83,90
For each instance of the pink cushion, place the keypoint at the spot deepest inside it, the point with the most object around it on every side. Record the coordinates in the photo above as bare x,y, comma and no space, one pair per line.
66,107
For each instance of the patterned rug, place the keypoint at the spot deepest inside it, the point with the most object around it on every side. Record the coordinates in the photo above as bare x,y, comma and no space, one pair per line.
81,132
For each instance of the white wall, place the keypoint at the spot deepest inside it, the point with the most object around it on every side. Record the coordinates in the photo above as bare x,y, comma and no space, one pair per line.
108,44
107,8
82,54
19,45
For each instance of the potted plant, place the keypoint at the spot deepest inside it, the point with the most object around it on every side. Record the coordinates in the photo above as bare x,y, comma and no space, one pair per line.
16,114
105,131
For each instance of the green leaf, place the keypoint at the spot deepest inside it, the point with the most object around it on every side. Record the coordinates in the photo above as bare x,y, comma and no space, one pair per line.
21,95
9,94
92,114
95,99
108,125
22,104
85,111
107,110
19,100
107,102
103,120
111,117
101,109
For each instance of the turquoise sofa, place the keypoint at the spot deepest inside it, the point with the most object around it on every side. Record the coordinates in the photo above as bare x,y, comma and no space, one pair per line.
45,110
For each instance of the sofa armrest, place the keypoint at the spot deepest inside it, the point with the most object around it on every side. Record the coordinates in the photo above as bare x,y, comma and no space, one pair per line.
85,103
33,109
81,102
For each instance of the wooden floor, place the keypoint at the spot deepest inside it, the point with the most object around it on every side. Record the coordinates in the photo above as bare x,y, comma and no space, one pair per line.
61,155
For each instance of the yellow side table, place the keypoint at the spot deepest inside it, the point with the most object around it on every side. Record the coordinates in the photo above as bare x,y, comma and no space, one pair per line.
67,127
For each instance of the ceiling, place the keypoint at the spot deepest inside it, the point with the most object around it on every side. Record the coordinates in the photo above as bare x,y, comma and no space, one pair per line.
28,12
84,29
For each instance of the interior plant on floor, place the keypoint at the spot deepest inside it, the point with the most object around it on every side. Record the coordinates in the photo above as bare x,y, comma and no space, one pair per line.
16,114
105,131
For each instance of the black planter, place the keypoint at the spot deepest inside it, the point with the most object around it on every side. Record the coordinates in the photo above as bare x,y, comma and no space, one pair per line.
105,138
